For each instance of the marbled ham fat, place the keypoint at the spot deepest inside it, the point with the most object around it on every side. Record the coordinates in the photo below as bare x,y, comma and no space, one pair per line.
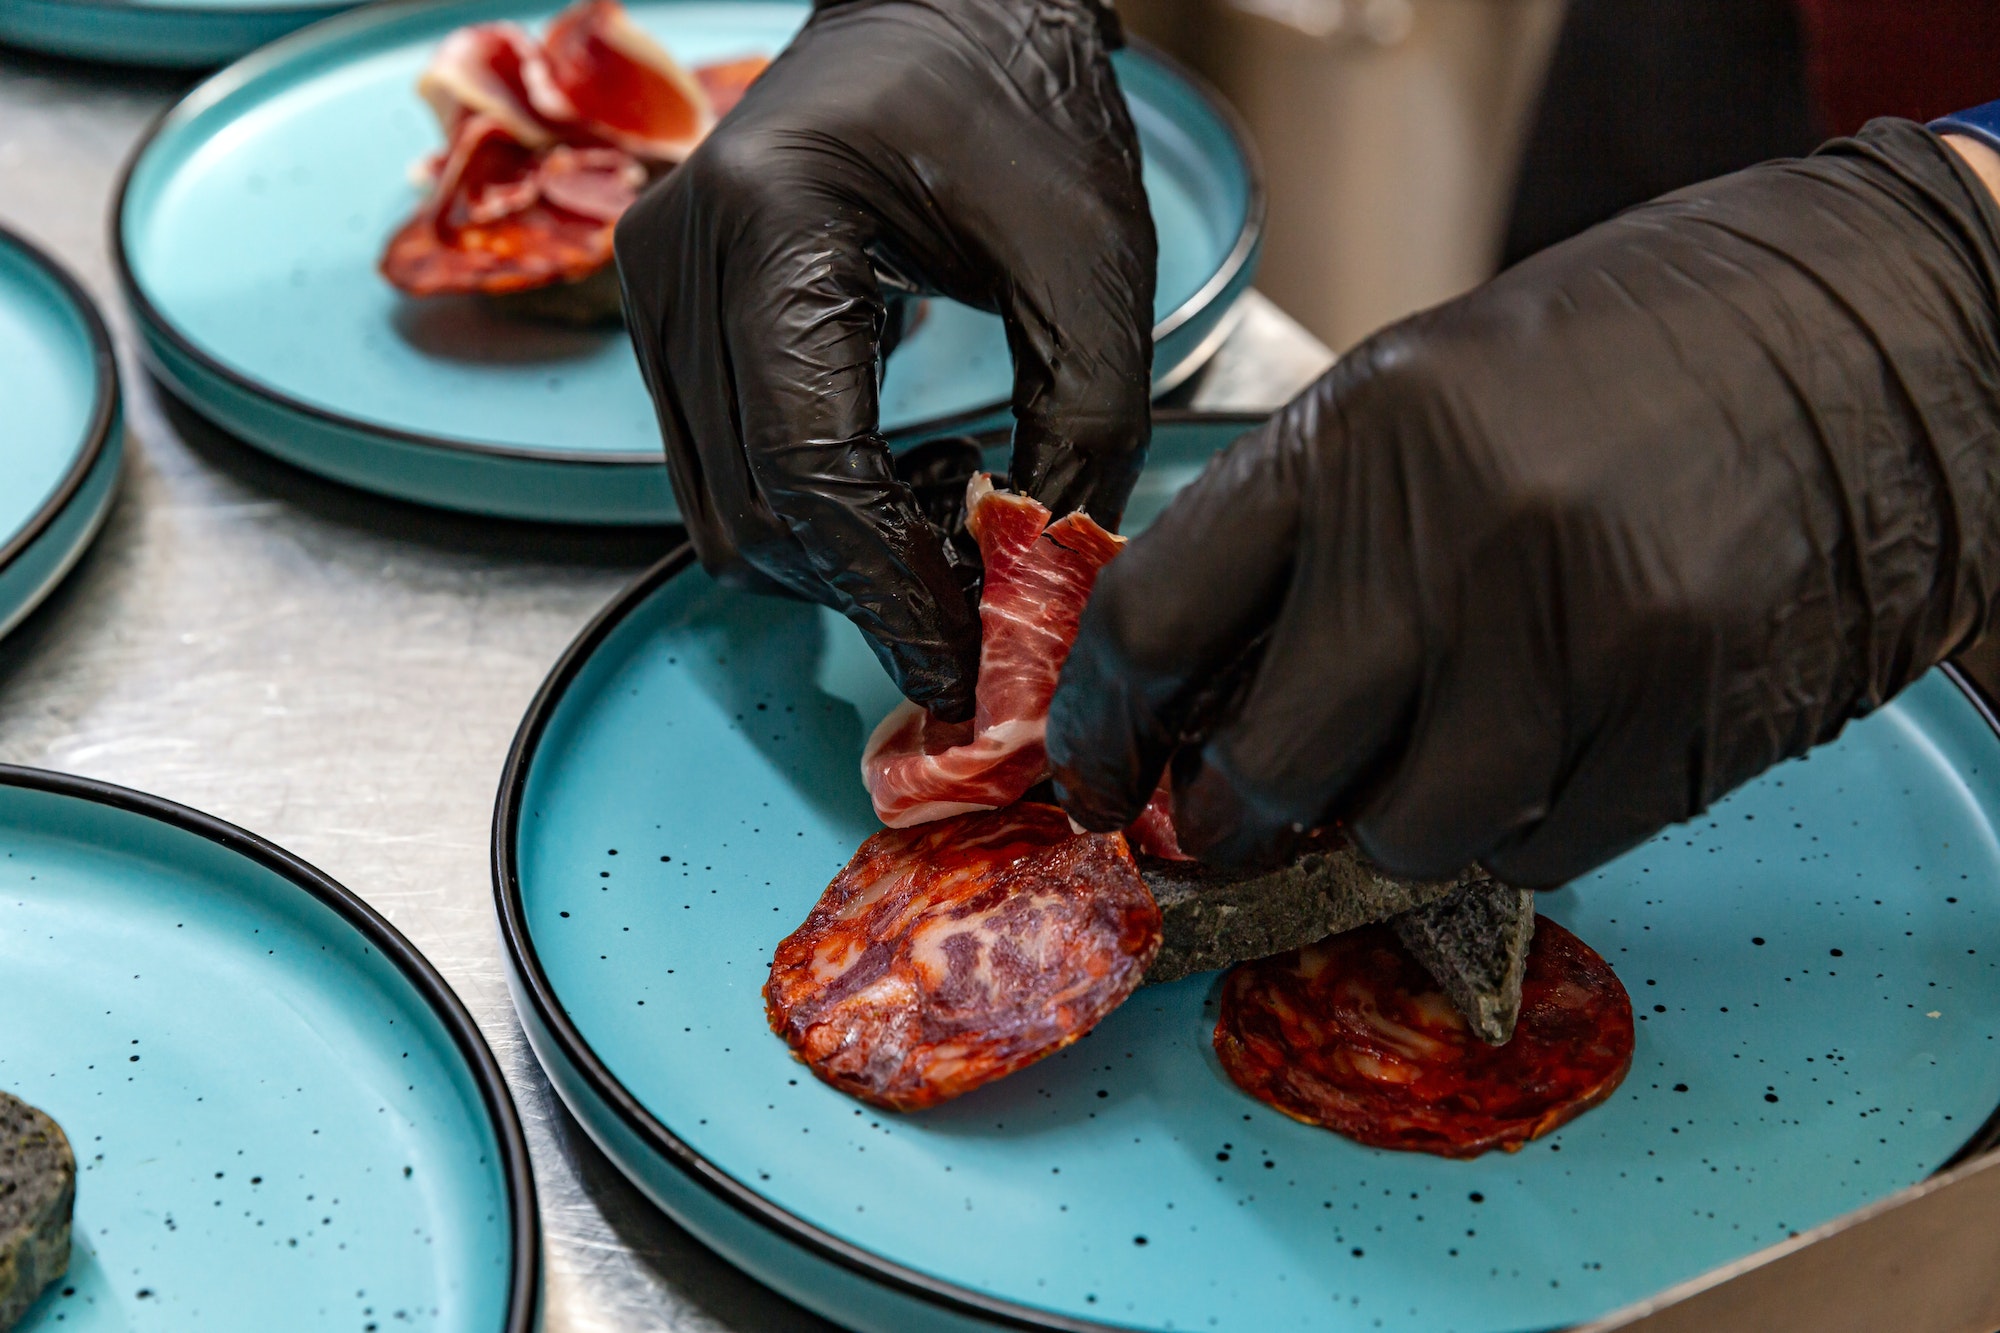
946,956
1038,577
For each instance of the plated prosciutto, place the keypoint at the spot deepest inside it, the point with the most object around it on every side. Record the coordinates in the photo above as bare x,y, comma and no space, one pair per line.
1038,576
547,143
1352,1033
949,955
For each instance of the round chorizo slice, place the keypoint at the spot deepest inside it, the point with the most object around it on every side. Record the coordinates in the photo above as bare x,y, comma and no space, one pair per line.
955,952
1353,1034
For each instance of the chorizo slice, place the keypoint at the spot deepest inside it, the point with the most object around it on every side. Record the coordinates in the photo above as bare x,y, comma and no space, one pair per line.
1354,1035
954,953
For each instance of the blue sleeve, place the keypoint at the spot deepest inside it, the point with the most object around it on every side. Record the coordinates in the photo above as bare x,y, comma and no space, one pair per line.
1981,123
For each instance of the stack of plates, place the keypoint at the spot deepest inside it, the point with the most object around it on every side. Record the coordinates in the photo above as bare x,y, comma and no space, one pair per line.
177,34
250,222
64,444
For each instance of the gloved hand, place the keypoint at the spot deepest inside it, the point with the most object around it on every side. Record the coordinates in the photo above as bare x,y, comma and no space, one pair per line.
979,149
1529,576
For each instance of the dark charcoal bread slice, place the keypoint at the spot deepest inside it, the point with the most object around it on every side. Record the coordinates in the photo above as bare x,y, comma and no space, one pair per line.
587,302
1213,919
37,1194
1474,942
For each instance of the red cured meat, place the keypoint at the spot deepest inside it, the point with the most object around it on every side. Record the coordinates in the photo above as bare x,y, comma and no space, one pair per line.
596,183
726,81
475,233
547,145
1352,1033
947,956
483,70
1038,577
601,73
1152,833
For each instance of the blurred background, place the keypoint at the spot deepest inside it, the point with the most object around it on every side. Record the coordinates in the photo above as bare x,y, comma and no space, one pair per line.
1414,147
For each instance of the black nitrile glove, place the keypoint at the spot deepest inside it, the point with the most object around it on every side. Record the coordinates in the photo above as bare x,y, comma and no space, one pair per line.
979,149
1527,577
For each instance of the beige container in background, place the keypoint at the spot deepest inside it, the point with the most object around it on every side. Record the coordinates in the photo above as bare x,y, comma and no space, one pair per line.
1391,131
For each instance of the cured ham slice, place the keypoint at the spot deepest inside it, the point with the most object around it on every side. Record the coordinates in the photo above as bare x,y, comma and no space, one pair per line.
487,226
600,72
726,81
1353,1034
1038,577
482,71
947,956
1152,833
548,143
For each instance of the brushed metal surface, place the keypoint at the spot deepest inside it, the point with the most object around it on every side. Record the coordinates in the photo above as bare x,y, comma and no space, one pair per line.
343,674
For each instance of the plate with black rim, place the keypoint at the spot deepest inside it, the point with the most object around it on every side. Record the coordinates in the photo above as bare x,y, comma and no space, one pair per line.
282,1116
1811,963
65,444
251,217
172,34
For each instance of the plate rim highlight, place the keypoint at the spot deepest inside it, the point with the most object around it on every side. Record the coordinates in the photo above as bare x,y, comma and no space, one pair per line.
103,418
524,1216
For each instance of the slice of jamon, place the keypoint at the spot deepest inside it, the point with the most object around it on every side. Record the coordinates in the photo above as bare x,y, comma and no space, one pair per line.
1352,1033
599,71
947,956
487,226
726,81
1038,576
482,71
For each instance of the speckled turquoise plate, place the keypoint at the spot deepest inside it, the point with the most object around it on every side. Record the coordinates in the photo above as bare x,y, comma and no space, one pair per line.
1812,965
251,219
176,34
282,1117
62,444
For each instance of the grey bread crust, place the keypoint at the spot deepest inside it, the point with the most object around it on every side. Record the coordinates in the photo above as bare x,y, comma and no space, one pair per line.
1470,932
1212,919
37,1197
1474,943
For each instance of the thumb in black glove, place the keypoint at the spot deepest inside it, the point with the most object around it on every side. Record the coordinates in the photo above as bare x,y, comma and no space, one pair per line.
979,149
1545,569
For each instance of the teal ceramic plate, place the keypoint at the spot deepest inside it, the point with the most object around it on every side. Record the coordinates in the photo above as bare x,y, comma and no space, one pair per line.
177,34
282,1117
63,444
1812,964
250,221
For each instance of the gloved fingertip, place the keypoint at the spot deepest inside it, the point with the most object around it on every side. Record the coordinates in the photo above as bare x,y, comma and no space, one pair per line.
1218,825
1096,809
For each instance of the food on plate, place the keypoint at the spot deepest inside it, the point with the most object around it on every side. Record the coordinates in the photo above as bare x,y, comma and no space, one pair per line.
1474,942
1038,576
1353,1034
951,954
869,993
547,143
37,1196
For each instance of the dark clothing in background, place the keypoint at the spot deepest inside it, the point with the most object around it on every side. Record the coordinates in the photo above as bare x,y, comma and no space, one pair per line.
1645,96
1917,58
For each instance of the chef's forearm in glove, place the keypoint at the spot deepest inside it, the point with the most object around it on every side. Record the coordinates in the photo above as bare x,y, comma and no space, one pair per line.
1538,572
979,149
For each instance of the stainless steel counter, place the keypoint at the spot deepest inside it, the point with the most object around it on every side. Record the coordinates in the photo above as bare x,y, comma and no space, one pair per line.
342,674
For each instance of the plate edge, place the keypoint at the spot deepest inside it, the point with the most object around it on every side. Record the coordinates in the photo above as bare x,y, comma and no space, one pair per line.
1228,273
104,414
524,1226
